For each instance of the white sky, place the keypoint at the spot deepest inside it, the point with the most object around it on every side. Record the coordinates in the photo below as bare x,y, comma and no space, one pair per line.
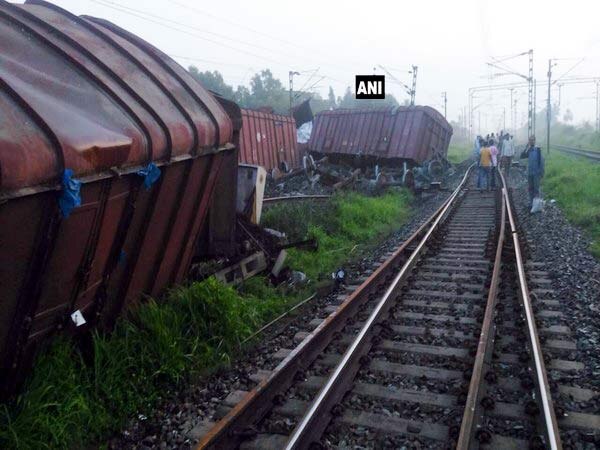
450,42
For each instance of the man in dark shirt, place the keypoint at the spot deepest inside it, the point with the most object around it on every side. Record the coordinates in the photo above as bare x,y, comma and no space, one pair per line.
535,168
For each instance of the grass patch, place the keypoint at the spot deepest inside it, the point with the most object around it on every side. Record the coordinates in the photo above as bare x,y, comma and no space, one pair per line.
575,184
343,227
458,153
70,403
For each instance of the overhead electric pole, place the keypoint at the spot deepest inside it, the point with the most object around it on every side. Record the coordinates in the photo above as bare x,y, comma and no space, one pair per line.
292,73
548,107
597,107
534,107
413,89
445,97
409,90
500,64
531,100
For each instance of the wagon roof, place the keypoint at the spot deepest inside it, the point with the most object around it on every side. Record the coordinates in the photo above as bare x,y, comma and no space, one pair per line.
84,94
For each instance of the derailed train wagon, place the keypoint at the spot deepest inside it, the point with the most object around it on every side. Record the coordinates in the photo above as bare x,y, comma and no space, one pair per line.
110,157
268,140
411,134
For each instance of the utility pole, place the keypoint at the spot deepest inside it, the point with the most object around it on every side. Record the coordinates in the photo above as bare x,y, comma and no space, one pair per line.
597,107
512,124
548,107
534,106
292,73
445,97
409,90
499,64
413,89
504,118
560,85
531,104
515,118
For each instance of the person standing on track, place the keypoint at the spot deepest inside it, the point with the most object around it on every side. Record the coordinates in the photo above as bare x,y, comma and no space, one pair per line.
485,166
494,153
507,153
535,168
476,149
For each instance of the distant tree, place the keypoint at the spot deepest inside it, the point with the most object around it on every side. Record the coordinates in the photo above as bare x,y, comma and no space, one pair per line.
242,96
568,116
213,81
267,90
331,98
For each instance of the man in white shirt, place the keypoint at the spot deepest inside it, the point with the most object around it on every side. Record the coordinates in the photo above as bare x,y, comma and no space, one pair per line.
508,151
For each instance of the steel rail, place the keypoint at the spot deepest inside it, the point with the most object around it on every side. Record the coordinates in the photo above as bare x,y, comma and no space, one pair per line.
229,431
589,154
483,356
312,424
296,197
551,425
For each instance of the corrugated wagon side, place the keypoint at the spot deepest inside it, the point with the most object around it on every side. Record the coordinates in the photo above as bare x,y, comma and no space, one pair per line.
268,140
410,134
109,157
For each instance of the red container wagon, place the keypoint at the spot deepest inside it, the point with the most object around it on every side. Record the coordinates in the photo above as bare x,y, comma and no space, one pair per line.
410,134
268,140
110,154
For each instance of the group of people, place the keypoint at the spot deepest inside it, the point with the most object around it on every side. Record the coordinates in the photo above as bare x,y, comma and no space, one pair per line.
490,152
486,152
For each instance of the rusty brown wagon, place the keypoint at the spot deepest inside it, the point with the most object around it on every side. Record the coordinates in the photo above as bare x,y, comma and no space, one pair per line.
116,168
391,135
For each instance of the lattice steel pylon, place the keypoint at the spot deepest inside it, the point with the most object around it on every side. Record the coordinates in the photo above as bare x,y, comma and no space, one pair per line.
530,100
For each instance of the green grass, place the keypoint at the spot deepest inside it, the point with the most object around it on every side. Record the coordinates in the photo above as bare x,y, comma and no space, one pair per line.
344,227
575,184
74,402
457,153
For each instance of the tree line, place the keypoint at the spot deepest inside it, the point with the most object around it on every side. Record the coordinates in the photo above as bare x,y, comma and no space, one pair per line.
267,91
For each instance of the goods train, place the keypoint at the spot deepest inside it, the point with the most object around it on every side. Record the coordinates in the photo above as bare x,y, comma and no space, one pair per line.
118,170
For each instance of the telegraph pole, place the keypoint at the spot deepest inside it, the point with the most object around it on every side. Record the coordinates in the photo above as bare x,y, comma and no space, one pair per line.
445,97
292,73
548,107
413,89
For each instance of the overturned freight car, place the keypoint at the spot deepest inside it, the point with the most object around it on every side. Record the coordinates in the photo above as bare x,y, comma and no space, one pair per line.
268,140
404,136
110,157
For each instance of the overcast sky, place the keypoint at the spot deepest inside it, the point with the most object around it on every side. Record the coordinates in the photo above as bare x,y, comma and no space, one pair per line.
449,41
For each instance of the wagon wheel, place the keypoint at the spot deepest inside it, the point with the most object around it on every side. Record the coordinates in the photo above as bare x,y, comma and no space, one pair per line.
309,166
408,179
435,169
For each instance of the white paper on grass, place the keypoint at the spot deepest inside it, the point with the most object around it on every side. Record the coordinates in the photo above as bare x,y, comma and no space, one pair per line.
78,318
304,132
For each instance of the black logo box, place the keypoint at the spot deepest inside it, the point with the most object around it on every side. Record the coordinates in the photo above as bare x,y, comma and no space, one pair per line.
369,87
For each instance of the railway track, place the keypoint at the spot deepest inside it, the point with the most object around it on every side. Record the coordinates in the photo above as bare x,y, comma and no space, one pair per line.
589,154
438,347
